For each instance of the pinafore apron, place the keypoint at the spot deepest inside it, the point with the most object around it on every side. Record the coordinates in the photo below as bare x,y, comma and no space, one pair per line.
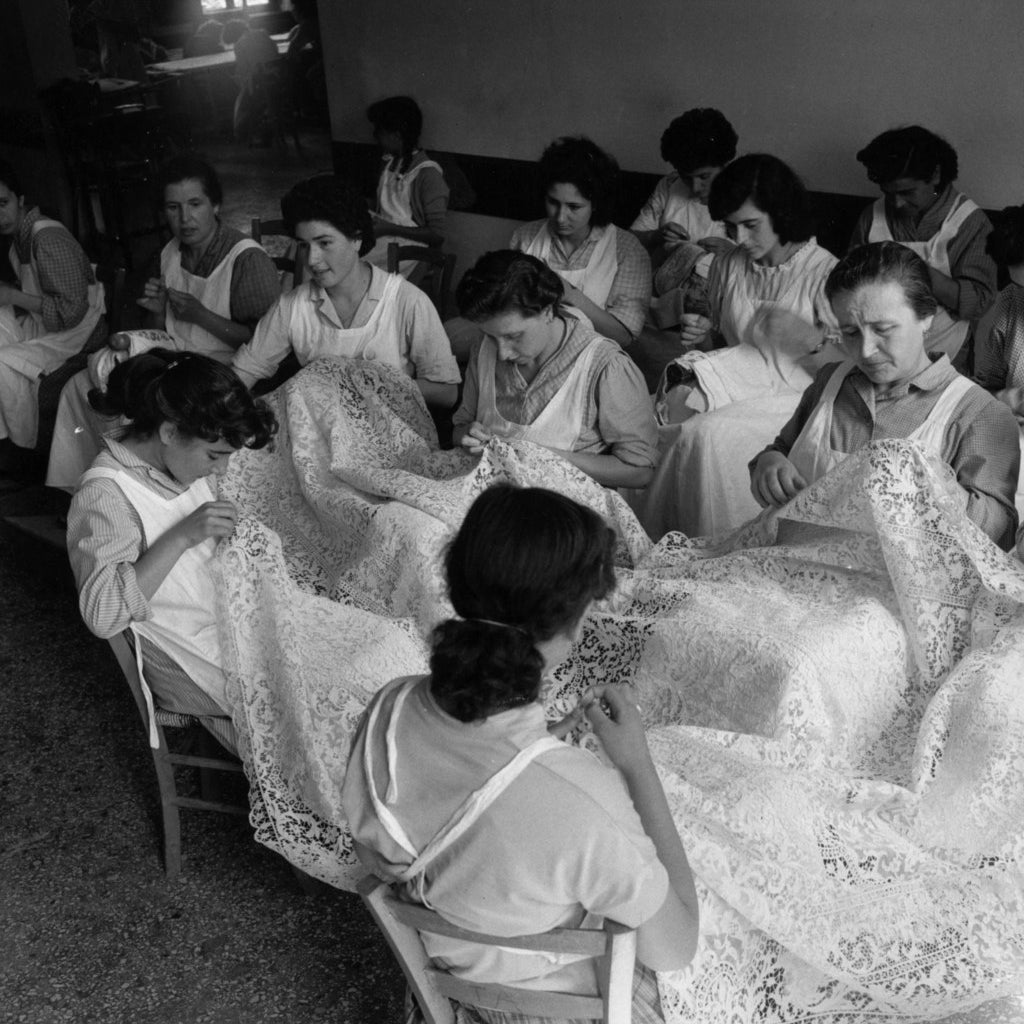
946,333
394,204
30,351
184,619
560,422
595,280
812,452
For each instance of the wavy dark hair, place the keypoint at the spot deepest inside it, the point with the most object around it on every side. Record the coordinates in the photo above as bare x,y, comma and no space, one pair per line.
334,201
505,280
771,185
399,114
701,137
576,160
529,561
1005,244
9,177
910,152
201,397
878,262
189,167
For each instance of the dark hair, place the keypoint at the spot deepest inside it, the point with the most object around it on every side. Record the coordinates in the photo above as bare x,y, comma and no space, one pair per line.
911,152
701,137
399,114
201,397
333,200
577,161
504,280
771,186
525,558
1006,242
885,261
189,167
9,177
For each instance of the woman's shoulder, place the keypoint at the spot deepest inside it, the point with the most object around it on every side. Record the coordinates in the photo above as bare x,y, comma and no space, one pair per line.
526,233
626,243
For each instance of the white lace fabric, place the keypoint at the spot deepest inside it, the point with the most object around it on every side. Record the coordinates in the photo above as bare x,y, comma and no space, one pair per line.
834,696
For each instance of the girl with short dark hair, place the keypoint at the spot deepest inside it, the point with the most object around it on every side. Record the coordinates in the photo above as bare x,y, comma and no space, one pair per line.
144,524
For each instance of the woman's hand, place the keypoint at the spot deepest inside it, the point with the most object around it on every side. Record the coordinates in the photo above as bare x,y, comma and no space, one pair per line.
673,235
213,519
612,711
185,307
572,295
154,296
564,726
475,437
774,480
693,328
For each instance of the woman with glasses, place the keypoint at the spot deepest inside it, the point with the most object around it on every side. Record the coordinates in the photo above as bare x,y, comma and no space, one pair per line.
889,386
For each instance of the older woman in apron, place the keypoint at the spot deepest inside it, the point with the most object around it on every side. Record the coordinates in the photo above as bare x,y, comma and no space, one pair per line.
541,374
920,208
412,195
214,286
446,768
48,317
349,309
890,385
144,524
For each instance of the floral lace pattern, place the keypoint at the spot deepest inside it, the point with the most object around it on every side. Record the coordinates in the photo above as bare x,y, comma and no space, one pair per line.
832,695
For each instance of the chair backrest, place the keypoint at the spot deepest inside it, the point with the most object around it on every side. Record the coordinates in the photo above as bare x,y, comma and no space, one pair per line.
613,947
291,267
112,277
439,282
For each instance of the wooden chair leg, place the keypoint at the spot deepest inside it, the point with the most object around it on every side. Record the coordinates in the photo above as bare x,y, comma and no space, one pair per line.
172,839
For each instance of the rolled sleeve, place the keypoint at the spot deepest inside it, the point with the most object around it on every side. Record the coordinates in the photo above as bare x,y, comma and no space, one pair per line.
625,414
972,268
630,294
64,279
987,464
259,357
255,286
104,542
430,200
424,337
649,218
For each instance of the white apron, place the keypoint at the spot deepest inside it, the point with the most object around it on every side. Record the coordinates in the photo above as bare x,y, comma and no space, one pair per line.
214,292
560,422
394,204
773,326
946,333
28,349
380,338
184,620
595,280
812,452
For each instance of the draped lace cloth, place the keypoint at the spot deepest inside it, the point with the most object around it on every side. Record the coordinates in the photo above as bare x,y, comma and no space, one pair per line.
833,696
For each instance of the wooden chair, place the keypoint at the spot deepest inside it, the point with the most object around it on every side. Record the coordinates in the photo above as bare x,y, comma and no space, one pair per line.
437,280
614,947
166,760
291,268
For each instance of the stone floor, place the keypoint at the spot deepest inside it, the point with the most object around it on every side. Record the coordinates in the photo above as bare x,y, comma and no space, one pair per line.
90,929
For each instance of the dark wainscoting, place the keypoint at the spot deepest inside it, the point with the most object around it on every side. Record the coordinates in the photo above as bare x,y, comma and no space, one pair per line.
509,188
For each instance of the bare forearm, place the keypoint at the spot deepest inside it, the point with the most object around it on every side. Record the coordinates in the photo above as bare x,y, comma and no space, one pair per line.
946,290
609,470
604,322
158,560
29,303
648,796
223,329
